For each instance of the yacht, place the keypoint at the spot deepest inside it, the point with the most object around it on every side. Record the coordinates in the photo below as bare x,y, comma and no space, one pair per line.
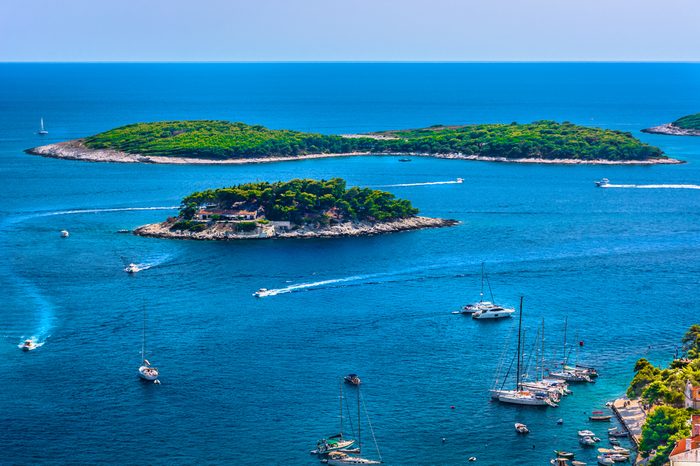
460,180
64,234
352,379
28,345
602,182
42,130
493,312
570,376
132,268
338,458
332,444
521,428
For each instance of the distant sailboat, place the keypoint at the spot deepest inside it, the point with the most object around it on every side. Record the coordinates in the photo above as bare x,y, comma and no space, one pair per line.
42,130
146,371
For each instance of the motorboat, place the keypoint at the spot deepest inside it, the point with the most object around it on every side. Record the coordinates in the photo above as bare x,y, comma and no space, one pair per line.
587,441
578,463
564,454
602,182
521,428
605,460
617,458
585,433
261,292
404,160
132,268
570,376
28,345
521,397
494,312
352,379
613,441
599,416
616,432
64,234
559,461
460,180
123,230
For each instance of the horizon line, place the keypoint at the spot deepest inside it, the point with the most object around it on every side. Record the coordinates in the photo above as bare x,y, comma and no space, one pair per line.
339,61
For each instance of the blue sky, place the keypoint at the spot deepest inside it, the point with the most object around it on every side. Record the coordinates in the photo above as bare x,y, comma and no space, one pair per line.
334,30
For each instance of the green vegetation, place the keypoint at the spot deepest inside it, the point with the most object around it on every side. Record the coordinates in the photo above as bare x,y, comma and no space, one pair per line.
688,122
662,389
302,201
224,140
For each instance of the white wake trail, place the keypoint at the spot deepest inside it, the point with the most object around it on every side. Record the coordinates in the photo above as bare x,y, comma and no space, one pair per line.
97,211
429,183
652,186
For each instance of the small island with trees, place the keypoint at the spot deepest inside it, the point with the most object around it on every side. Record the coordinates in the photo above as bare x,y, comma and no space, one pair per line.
299,208
214,142
688,125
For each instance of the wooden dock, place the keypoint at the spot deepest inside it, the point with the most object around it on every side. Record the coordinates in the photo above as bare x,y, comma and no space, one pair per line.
632,417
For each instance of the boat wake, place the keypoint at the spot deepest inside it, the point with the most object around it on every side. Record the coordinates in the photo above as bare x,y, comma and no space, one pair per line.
652,186
429,183
97,211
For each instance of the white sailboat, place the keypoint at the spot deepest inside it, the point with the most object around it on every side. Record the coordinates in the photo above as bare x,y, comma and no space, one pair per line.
146,371
340,458
567,373
338,441
42,130
485,309
520,395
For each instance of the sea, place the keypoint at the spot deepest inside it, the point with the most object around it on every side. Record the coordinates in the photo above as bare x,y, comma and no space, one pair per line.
248,380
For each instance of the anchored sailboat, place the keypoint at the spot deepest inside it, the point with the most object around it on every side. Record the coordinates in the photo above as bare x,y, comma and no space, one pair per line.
42,130
338,458
571,374
520,395
334,442
485,309
146,371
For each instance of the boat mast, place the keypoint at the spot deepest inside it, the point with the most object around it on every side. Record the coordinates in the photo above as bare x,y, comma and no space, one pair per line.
520,326
143,340
340,388
488,282
42,123
359,421
481,295
542,353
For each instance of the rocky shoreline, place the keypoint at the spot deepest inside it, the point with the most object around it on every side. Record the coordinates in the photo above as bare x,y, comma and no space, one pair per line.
76,150
221,231
671,130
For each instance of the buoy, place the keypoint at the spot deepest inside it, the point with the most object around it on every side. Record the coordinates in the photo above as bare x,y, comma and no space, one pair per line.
472,458
580,343
452,407
157,382
443,439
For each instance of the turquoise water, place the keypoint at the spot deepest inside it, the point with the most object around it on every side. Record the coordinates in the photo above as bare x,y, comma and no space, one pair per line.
254,381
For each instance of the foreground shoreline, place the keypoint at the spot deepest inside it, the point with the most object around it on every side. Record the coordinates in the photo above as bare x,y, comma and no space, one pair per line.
76,150
670,130
226,232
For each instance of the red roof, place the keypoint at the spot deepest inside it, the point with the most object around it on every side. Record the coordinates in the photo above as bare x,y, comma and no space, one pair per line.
682,444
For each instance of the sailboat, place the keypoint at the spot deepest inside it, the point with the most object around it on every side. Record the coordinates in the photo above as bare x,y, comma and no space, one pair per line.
520,395
42,130
146,371
334,442
485,309
567,373
339,458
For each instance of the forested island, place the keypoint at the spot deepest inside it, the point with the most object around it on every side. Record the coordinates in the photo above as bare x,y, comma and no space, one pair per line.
671,395
208,141
300,208
688,125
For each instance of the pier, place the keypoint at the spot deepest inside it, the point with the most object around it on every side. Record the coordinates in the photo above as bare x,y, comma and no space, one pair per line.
632,417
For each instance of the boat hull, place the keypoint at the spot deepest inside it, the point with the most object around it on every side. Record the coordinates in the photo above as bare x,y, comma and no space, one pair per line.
145,375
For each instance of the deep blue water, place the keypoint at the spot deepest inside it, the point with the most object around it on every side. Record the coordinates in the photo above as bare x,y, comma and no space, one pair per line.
254,381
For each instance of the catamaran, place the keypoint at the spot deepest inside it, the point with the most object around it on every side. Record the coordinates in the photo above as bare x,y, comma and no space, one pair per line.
520,395
42,130
146,371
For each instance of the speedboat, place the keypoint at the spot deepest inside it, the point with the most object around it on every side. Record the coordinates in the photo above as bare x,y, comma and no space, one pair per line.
132,268
148,372
605,460
578,463
585,433
602,182
352,379
559,461
332,444
615,432
261,292
493,312
64,234
28,345
599,416
586,441
460,180
564,454
521,428
404,160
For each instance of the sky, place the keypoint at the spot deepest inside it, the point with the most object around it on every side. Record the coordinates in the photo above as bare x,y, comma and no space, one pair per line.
349,30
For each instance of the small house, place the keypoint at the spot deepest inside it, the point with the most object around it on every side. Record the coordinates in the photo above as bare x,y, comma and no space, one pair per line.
687,450
692,396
